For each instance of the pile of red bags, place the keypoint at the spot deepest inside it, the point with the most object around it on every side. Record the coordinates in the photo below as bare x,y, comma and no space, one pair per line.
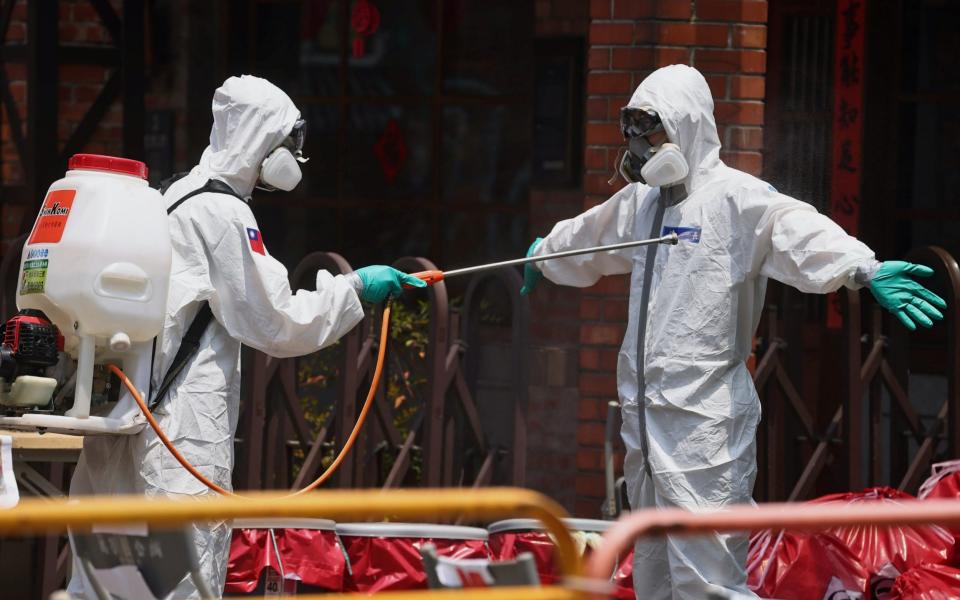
851,562
789,565
312,559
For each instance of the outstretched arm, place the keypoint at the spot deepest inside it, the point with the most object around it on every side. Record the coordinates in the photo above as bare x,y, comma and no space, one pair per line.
812,253
607,223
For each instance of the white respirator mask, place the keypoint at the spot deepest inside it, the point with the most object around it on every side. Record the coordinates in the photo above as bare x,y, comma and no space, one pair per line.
280,170
666,167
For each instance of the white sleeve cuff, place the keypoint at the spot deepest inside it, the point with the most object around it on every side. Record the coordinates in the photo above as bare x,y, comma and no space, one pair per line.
355,282
864,274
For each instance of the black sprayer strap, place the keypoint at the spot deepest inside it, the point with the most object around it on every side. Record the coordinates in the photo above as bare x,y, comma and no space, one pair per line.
188,347
213,186
191,340
166,183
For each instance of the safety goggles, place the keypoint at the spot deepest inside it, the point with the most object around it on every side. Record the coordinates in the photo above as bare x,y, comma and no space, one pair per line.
635,122
294,141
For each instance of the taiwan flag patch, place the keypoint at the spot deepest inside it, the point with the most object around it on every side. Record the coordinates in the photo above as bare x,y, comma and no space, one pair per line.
256,241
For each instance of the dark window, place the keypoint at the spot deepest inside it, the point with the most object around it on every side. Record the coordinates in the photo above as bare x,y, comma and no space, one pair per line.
928,136
797,140
419,135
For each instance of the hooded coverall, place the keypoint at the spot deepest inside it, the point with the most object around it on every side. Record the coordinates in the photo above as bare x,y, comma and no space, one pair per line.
690,409
218,257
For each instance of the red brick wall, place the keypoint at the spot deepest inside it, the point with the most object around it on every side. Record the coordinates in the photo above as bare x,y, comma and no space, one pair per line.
552,407
724,39
79,84
79,87
16,74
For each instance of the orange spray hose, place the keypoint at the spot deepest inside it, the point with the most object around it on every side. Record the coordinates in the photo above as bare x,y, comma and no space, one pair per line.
347,446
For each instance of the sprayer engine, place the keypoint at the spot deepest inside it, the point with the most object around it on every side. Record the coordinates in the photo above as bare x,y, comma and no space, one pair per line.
31,344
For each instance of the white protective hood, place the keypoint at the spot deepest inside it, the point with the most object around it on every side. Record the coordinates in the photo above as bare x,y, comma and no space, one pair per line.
682,98
251,117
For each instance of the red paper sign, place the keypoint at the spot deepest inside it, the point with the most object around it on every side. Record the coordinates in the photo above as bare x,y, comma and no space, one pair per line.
391,151
52,219
848,82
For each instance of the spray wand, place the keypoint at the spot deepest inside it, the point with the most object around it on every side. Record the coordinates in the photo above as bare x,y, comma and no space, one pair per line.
432,277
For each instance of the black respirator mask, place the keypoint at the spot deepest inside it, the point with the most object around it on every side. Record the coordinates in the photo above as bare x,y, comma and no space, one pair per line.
641,162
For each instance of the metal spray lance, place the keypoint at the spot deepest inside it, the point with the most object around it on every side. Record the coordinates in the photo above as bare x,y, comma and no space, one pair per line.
432,277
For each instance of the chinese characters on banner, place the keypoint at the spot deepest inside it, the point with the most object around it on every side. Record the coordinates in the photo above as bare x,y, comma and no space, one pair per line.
847,157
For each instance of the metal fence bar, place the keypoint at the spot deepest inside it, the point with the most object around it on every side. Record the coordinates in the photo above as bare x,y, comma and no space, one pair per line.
268,419
511,281
885,440
435,408
948,417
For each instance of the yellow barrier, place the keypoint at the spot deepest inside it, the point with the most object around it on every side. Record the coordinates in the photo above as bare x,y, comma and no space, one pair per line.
36,516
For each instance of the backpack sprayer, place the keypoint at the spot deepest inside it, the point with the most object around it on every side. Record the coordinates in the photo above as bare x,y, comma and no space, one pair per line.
92,297
92,291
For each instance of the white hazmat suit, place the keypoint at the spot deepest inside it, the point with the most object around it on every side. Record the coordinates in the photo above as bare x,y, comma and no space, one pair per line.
690,409
216,259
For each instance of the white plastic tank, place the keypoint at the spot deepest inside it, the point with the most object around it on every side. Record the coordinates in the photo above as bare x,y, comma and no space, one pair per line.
97,261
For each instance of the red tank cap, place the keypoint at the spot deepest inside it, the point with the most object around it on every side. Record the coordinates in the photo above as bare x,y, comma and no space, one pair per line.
113,164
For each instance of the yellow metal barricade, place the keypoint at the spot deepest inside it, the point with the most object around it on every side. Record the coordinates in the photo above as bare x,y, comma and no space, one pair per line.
42,516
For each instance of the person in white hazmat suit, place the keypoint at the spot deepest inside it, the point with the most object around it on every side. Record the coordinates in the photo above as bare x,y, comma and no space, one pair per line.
219,258
690,409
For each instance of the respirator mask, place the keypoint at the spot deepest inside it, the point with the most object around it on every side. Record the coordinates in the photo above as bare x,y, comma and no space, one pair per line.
656,166
280,170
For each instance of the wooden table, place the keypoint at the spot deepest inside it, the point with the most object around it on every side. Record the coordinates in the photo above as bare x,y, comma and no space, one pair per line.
45,447
30,447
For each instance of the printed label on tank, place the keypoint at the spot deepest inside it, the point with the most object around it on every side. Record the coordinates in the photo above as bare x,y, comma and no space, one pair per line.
34,276
686,234
52,219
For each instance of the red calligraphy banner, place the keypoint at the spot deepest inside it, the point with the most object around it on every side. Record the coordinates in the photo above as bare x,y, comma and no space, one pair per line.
847,155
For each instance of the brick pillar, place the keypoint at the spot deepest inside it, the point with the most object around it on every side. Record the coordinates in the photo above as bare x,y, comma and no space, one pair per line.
725,40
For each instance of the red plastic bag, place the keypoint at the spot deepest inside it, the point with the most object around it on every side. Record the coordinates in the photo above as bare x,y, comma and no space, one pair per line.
885,552
944,481
927,582
393,563
944,484
623,578
802,566
311,556
507,545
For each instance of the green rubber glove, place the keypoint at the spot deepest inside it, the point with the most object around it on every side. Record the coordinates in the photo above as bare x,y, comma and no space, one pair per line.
531,275
381,281
909,301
